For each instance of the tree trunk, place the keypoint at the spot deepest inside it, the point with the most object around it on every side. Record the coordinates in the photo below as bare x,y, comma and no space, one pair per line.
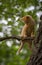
36,57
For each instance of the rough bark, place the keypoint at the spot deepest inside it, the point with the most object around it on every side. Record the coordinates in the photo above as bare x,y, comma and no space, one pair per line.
36,57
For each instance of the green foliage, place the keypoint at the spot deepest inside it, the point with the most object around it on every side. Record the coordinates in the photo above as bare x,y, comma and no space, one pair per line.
11,11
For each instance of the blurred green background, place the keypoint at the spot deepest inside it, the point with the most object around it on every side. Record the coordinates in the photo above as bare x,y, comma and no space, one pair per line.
10,13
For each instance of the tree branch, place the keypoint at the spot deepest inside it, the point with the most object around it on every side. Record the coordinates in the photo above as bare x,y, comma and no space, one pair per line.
16,37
